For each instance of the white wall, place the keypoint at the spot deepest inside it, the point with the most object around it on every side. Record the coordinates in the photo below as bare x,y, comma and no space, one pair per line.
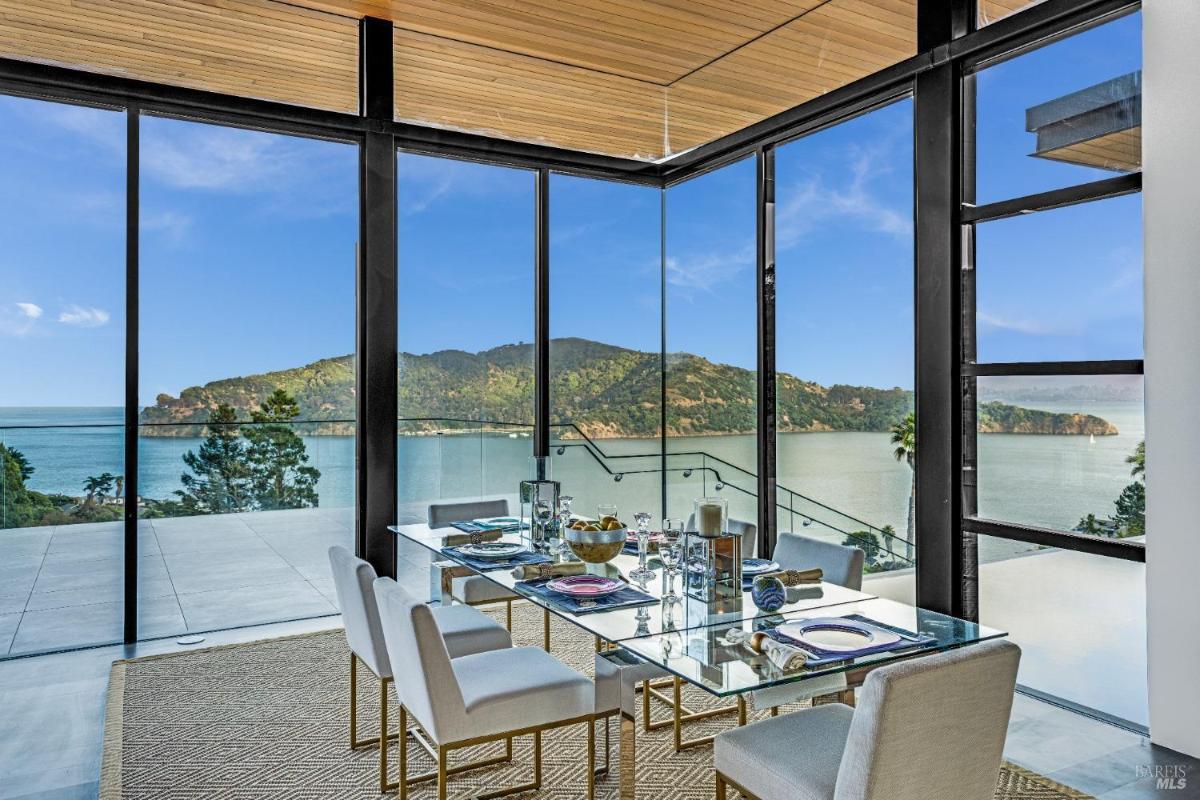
1171,208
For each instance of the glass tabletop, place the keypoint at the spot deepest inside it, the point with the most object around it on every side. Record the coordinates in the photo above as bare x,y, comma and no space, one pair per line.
628,622
707,657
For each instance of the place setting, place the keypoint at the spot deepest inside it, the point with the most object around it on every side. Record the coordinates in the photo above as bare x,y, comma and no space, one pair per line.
494,555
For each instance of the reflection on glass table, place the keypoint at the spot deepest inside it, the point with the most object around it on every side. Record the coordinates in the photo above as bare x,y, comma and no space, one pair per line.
724,664
618,624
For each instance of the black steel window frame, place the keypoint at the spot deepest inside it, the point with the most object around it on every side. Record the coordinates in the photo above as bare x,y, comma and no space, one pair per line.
970,216
938,76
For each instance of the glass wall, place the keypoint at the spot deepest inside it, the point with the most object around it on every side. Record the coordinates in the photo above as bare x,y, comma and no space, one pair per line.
62,343
466,258
606,343
712,341
1059,291
844,333
247,339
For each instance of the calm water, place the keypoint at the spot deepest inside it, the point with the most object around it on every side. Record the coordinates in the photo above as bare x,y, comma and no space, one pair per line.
1044,480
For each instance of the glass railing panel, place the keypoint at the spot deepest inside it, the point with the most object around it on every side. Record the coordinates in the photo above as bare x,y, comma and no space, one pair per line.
62,537
624,472
237,520
437,460
506,450
1080,621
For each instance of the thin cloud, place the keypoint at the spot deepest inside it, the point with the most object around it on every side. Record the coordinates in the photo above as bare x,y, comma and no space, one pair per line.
30,310
171,225
1018,325
704,272
83,317
856,204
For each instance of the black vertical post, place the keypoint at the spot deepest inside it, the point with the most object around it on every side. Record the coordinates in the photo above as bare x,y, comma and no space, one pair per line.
541,320
937,107
662,355
765,247
375,378
970,395
132,298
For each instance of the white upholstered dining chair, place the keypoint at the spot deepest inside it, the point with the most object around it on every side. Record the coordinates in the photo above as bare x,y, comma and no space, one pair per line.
476,590
479,698
929,728
839,563
463,629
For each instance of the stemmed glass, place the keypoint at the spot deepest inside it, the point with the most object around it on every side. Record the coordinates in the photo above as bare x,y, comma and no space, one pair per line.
642,574
542,514
670,552
564,522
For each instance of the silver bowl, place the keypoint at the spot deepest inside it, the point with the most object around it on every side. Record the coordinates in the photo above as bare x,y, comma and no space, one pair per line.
595,547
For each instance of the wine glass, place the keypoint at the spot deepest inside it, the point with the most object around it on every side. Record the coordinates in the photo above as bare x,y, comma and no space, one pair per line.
564,522
670,551
642,574
542,515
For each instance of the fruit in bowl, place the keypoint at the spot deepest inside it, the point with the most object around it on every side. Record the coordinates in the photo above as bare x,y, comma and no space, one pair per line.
594,544
603,524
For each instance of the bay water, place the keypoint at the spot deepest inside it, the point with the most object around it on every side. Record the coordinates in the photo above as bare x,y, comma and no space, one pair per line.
846,478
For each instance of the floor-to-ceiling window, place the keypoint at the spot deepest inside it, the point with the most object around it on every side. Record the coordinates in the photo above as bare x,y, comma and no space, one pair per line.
246,434
605,346
465,284
711,342
844,338
62,343
1056,366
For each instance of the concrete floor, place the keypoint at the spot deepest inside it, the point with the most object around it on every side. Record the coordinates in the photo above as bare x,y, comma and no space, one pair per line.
62,587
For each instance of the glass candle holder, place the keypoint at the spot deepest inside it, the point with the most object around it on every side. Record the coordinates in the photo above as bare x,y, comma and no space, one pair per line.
711,515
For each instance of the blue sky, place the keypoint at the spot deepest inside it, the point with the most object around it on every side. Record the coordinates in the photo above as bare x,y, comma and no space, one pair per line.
248,248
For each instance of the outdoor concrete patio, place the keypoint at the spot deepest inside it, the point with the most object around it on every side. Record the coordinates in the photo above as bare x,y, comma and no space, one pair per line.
62,586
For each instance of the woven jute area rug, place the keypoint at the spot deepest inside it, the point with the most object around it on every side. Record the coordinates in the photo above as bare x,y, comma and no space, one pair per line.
269,719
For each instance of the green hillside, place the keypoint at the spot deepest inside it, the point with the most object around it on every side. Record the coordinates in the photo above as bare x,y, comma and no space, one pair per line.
608,391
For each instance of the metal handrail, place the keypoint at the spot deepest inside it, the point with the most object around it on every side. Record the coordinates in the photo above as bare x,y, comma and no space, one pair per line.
589,445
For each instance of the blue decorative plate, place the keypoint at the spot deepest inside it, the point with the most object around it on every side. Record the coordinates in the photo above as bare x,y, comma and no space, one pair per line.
757,566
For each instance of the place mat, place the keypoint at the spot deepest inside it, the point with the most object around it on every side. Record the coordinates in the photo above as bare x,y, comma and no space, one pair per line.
908,639
486,565
625,598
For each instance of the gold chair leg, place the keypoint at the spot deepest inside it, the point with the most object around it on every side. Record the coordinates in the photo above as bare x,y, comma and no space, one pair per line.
442,777
402,783
774,711
720,787
680,715
353,700
508,615
646,706
383,736
546,630
591,759
741,709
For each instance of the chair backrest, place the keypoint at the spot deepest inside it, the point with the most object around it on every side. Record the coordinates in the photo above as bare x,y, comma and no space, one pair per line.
840,564
748,531
931,728
353,581
424,677
442,514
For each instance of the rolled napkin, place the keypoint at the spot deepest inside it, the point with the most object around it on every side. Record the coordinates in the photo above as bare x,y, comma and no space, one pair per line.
783,656
531,572
459,539
796,577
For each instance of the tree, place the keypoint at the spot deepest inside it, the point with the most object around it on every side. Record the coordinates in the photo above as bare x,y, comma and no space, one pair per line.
278,458
23,465
904,437
20,506
1138,461
1090,525
1130,515
97,487
867,541
219,482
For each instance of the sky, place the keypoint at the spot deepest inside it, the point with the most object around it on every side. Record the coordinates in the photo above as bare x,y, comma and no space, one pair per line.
248,248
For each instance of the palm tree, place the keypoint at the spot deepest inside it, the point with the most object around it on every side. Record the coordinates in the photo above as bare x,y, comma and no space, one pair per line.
1138,460
904,437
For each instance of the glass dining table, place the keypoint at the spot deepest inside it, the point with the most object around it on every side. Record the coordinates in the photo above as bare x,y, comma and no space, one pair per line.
702,643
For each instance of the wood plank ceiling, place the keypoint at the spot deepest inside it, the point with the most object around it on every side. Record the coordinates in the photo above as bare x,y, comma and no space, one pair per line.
636,78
